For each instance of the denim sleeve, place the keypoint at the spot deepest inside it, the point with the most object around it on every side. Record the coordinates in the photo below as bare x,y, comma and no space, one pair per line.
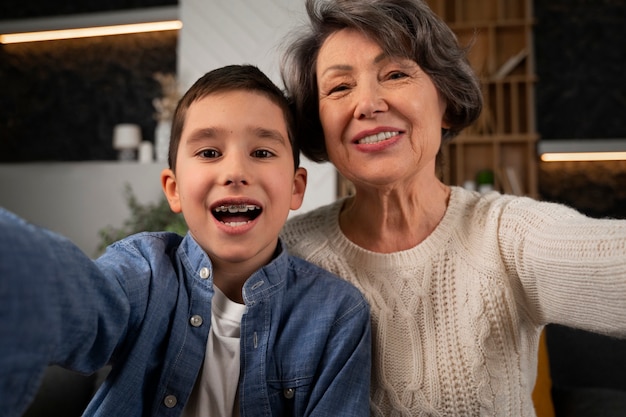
343,386
55,308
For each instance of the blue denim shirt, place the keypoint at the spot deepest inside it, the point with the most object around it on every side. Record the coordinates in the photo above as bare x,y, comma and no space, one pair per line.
145,306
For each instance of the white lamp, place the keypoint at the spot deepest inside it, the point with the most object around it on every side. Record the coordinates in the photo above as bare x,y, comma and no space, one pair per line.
126,140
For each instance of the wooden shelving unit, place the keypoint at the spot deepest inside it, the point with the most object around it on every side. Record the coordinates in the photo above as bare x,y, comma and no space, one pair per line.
503,140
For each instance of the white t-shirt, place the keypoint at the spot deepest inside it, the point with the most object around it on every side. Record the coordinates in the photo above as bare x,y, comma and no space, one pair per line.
215,392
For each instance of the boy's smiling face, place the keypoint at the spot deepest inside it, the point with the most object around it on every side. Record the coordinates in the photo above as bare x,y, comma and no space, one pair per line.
235,180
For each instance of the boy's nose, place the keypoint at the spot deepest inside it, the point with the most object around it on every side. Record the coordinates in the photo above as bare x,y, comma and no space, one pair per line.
236,180
236,172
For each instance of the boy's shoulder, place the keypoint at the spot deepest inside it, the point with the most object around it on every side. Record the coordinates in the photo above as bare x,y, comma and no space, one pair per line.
150,239
143,247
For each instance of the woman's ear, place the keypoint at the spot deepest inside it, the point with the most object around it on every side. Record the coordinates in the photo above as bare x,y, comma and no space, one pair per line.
170,189
299,185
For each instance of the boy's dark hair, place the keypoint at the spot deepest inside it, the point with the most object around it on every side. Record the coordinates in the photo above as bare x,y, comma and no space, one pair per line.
230,78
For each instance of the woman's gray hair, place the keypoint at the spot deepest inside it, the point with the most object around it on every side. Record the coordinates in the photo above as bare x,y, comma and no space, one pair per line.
403,28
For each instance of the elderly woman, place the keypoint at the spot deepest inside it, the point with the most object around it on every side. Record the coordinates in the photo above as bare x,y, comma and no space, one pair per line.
460,284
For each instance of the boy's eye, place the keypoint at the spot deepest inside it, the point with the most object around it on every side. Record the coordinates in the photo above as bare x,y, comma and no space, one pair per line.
209,153
262,153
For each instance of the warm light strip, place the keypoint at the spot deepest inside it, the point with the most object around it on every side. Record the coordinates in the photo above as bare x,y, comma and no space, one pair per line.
583,156
610,149
90,31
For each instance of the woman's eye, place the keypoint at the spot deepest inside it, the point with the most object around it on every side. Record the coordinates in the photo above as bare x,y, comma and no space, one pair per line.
209,153
262,153
397,75
337,89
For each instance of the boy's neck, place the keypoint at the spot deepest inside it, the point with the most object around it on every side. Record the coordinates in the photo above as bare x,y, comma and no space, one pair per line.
231,287
230,277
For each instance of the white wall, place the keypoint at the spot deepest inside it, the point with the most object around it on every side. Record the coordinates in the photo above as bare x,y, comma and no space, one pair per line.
77,199
222,32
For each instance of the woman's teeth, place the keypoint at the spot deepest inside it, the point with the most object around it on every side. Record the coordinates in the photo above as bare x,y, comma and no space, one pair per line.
379,137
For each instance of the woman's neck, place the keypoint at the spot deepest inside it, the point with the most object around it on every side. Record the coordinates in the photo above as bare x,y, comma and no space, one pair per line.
395,219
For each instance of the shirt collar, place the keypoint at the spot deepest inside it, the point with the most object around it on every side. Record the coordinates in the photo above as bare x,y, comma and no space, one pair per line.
264,282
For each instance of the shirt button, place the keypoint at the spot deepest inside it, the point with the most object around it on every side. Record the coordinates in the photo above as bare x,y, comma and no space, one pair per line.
288,393
204,273
196,321
170,401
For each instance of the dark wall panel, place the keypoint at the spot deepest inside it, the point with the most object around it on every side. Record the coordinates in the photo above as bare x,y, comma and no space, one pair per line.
581,94
580,55
20,9
61,99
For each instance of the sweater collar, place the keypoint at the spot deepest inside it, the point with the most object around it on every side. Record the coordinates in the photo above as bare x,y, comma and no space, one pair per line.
424,250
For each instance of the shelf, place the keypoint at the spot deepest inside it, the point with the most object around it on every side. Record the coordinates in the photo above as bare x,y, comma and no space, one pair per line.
489,24
503,139
462,11
493,139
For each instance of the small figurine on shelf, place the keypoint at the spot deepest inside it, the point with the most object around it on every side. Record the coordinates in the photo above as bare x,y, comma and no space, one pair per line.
164,106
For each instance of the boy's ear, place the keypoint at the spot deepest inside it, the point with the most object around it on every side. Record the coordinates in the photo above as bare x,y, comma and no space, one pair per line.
170,189
299,185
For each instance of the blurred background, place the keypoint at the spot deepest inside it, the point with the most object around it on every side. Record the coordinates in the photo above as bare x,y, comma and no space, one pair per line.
62,99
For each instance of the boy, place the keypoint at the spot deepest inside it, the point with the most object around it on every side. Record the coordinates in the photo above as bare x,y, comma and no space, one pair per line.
221,322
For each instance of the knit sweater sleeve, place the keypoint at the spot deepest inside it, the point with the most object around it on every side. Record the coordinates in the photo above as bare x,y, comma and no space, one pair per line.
571,268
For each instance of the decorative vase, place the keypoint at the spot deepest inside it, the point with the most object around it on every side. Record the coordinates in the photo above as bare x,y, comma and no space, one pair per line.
162,139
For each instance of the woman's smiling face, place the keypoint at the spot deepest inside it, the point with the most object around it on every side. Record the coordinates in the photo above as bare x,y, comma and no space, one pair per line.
382,116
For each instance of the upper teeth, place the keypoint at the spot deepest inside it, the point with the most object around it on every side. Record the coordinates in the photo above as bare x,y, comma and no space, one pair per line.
236,208
378,137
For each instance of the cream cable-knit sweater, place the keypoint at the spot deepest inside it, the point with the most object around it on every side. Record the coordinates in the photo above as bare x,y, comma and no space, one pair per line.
456,319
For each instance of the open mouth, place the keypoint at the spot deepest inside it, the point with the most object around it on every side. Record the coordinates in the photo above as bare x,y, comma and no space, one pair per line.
236,214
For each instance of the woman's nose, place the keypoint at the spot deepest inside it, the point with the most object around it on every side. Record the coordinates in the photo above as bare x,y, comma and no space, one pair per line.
369,102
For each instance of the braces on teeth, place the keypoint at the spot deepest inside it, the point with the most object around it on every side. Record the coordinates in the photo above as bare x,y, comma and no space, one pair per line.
236,208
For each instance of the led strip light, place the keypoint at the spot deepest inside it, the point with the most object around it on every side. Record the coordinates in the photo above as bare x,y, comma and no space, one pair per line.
582,150
87,25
